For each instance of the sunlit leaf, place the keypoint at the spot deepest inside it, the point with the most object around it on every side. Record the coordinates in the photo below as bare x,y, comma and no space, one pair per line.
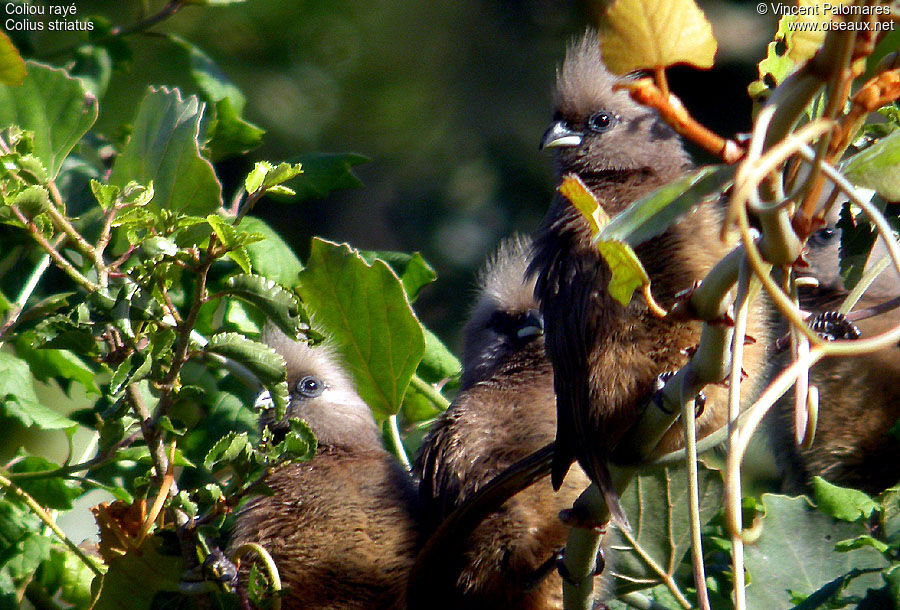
656,33
163,149
876,167
655,212
18,400
364,309
12,66
580,196
782,562
272,257
841,502
657,507
280,305
52,105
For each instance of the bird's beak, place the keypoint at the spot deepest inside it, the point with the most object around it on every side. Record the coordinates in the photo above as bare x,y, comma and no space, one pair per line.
560,135
532,326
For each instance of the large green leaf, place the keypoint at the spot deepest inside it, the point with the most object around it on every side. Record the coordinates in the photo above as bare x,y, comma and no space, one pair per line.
795,555
657,507
654,213
135,578
272,257
54,106
164,149
413,270
365,310
323,173
52,492
878,167
17,397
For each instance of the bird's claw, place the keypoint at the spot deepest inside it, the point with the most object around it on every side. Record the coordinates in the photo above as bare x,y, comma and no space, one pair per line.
833,325
564,573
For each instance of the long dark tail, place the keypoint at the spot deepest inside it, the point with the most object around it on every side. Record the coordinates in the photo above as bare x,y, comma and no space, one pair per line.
599,474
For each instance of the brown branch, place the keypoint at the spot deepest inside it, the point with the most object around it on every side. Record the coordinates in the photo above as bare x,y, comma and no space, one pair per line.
646,92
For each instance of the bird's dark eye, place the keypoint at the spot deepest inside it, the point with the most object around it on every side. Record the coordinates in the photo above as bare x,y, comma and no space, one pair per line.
310,387
823,236
601,121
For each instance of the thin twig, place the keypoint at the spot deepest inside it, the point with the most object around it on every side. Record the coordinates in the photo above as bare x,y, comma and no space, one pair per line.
43,516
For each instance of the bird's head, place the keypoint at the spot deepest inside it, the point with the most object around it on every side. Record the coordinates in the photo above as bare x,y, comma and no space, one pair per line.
321,394
596,129
506,316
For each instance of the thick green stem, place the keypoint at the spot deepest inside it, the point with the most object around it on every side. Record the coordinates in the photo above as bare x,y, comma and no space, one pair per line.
430,392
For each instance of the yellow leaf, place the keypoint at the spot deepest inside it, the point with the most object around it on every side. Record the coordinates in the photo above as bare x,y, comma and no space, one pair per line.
808,31
12,66
643,34
573,189
628,273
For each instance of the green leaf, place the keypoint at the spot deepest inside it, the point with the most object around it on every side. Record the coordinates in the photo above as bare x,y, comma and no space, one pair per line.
262,360
229,448
271,257
861,541
795,554
18,400
52,492
657,506
32,200
324,173
163,149
210,79
438,363
135,578
52,105
12,66
842,503
365,310
55,363
278,304
412,269
232,135
777,65
106,194
652,214
876,167
299,445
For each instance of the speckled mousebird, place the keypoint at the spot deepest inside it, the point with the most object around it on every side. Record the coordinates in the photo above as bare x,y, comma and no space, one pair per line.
505,410
607,357
343,528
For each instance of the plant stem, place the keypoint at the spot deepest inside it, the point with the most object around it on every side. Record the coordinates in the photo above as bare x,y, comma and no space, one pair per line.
43,516
50,249
430,392
395,442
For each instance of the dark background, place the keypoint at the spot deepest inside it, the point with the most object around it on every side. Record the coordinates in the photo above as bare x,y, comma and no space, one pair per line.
447,99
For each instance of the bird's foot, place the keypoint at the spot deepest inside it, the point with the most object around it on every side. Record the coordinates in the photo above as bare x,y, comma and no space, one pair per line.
560,559
657,398
833,325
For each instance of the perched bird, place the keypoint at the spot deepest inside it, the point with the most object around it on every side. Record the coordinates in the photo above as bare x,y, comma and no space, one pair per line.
343,528
504,412
607,357
859,396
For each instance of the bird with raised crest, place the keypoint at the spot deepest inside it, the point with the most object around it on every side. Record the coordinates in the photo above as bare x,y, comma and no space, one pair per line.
505,411
607,357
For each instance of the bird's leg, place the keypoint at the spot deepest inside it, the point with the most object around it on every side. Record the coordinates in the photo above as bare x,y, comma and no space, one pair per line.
560,560
657,396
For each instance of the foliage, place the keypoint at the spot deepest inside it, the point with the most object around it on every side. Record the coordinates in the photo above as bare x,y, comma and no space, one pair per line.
133,281
133,277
